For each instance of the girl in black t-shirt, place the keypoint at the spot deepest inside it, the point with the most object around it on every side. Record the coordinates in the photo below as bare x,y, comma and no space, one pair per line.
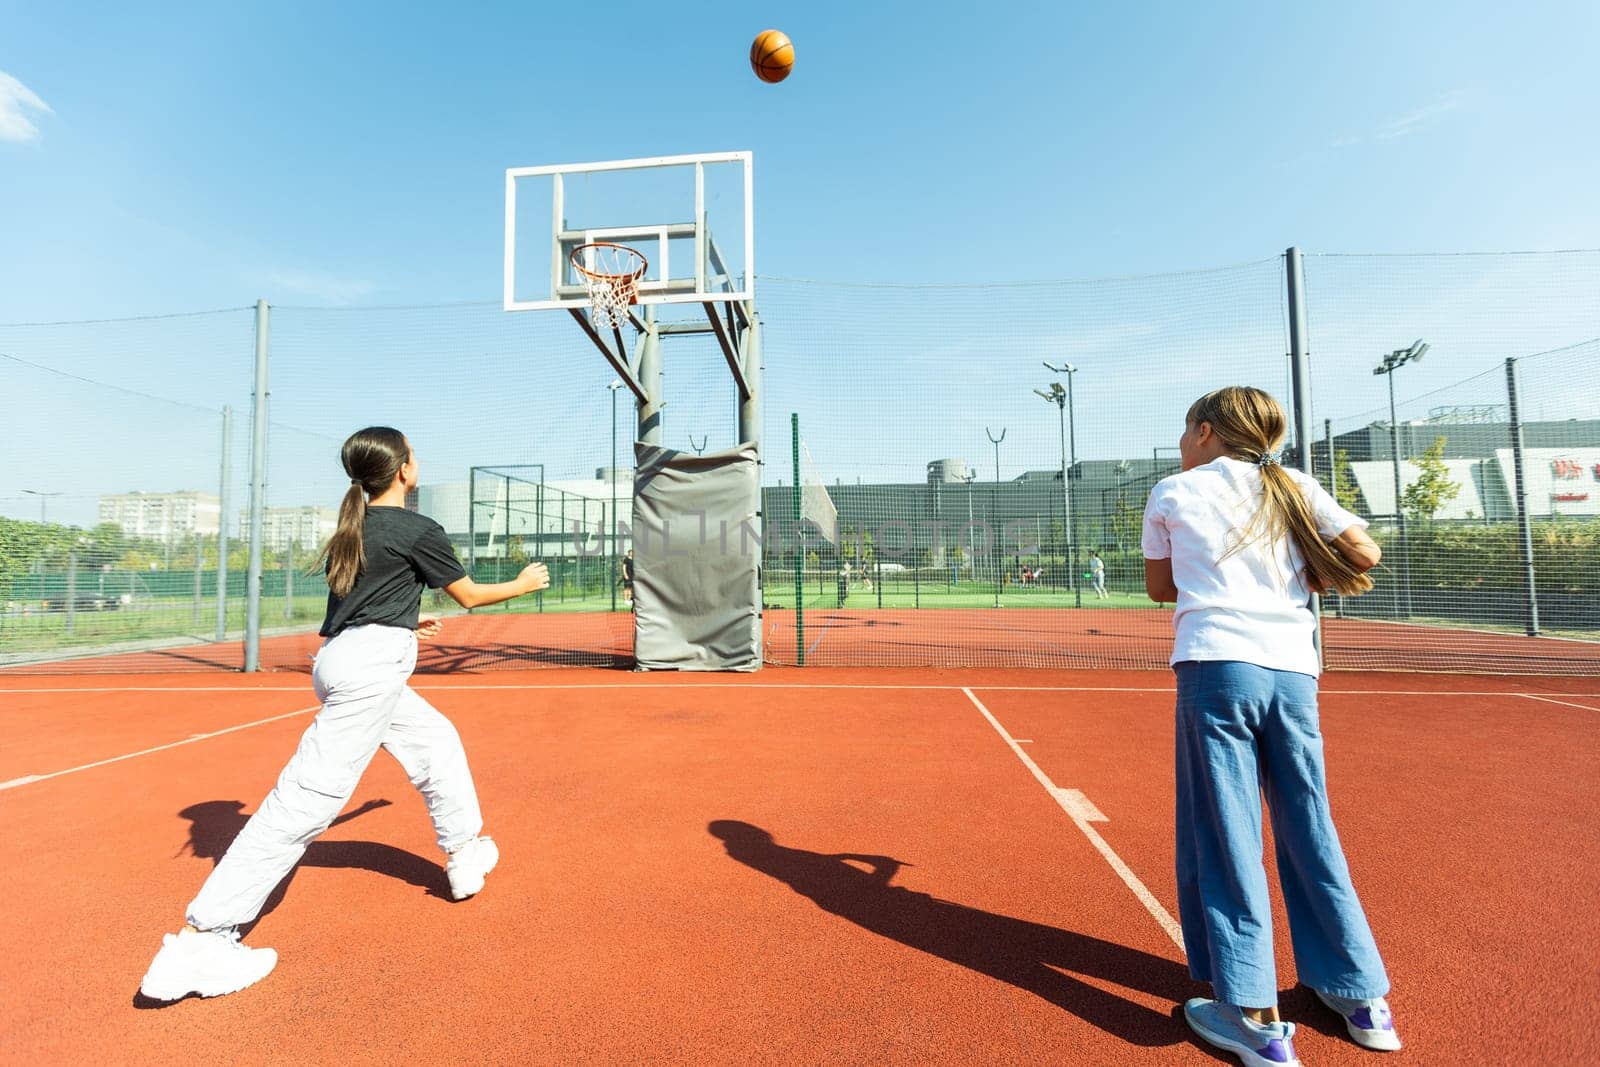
378,562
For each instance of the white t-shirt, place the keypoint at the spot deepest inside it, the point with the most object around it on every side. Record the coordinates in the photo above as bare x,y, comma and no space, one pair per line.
1253,606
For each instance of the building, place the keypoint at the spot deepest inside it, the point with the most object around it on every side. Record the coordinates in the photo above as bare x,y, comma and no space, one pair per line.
169,518
307,528
511,512
1561,463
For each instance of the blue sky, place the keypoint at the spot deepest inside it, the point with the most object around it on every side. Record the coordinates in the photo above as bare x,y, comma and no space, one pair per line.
352,154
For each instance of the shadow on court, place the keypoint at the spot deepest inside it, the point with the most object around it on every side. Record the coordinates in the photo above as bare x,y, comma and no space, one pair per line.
213,824
1030,956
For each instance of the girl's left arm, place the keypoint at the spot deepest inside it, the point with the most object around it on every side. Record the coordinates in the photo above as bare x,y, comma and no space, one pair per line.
1158,581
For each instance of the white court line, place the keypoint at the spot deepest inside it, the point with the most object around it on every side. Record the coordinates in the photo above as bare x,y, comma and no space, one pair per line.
1567,703
774,685
1081,811
29,779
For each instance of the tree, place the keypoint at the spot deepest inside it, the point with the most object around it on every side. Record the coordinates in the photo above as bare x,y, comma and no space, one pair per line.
1344,484
1433,487
1127,521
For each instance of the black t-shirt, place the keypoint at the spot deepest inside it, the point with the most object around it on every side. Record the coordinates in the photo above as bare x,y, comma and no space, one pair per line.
405,551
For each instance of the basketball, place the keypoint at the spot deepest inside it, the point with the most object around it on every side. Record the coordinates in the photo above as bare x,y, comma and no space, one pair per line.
772,55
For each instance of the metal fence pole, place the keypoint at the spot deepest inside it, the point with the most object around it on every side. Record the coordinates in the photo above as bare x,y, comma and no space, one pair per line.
226,490
258,492
1520,496
1300,383
72,591
199,561
800,550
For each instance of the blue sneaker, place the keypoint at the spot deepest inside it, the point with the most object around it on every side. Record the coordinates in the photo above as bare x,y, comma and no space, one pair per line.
1256,1044
1370,1022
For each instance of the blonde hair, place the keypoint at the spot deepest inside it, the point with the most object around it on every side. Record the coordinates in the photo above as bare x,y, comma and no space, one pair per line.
372,458
1251,424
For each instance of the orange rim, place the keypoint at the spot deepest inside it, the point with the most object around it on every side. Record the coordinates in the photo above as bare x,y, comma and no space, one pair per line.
602,276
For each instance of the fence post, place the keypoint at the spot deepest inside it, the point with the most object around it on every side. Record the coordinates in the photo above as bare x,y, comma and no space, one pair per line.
258,493
800,550
199,561
1300,383
225,490
1520,497
72,591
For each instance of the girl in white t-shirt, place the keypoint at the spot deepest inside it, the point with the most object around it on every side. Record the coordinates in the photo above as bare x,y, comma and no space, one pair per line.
1239,542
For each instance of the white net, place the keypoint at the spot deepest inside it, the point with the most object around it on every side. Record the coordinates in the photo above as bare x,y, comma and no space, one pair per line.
611,272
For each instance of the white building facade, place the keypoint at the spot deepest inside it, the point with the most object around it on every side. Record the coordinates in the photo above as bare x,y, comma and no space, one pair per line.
170,518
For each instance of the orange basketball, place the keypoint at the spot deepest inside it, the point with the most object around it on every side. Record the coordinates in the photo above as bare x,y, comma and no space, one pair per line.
772,55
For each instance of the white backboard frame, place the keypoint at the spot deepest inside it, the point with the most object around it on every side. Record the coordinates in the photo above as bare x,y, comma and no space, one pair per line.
654,237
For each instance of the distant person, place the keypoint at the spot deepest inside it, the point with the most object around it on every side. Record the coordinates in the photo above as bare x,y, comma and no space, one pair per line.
1239,543
378,562
1097,573
844,582
627,577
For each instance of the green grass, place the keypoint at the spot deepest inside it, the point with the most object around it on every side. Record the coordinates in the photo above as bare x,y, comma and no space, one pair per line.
961,595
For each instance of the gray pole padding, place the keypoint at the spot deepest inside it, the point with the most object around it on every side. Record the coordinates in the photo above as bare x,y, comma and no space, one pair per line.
258,492
650,378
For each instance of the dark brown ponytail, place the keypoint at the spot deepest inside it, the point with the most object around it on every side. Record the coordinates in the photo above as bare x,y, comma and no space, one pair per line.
1252,424
372,458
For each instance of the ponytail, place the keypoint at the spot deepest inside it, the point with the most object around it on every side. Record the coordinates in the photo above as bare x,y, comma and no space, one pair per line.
1285,510
1251,423
346,553
372,458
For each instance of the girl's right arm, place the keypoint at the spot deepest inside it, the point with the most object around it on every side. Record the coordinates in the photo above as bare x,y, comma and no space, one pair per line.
469,594
1358,550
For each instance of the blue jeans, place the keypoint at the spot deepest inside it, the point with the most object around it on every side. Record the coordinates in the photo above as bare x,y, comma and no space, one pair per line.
1243,730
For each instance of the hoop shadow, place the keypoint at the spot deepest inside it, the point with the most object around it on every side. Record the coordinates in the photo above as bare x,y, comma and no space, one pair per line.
1043,960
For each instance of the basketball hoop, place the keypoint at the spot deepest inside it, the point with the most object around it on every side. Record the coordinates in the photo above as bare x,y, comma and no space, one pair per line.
611,272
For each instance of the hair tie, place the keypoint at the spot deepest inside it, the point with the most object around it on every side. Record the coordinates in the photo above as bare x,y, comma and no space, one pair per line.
355,482
1270,459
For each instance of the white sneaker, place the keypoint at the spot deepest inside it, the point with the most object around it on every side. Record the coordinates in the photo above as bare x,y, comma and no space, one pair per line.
208,962
1256,1044
469,864
1370,1022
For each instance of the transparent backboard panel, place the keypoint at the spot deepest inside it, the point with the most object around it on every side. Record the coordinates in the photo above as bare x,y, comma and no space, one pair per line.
690,216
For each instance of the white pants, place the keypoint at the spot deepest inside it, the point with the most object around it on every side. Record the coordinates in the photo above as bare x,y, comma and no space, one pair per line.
360,677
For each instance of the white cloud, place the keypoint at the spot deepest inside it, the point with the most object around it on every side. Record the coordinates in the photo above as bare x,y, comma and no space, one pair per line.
323,287
1406,124
15,100
1413,120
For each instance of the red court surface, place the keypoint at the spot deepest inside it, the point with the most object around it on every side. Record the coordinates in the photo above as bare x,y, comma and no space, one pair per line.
1089,638
798,866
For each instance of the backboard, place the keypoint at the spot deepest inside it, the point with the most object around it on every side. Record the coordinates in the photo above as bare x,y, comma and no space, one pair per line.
691,216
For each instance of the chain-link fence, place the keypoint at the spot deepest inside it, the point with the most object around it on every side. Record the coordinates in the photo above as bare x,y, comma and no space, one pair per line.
987,448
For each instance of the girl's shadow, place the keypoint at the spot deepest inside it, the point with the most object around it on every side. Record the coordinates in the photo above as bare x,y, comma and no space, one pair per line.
1041,959
213,824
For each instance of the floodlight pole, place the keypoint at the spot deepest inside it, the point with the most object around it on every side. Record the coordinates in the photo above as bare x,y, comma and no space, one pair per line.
43,499
1072,512
994,511
1391,363
258,491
